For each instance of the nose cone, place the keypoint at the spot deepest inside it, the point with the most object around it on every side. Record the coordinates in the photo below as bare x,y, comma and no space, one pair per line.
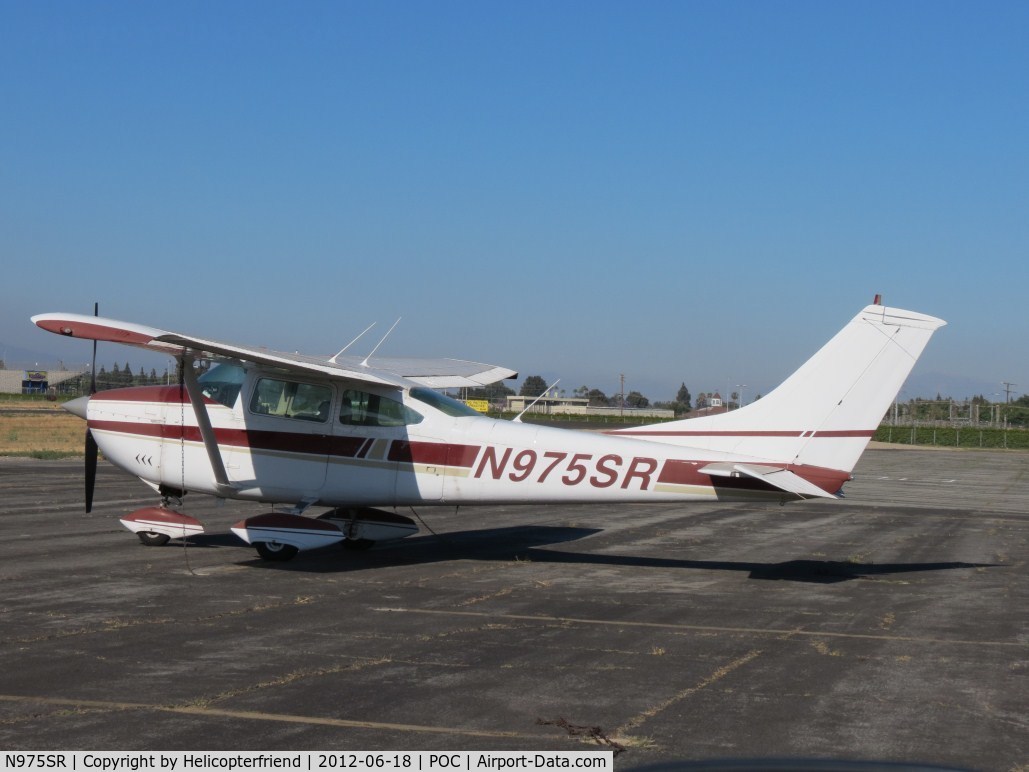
77,406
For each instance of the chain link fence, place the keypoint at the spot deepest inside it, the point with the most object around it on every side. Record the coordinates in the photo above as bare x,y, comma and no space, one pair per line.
954,437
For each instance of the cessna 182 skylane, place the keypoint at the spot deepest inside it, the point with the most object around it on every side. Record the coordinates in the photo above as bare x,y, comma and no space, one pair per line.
366,437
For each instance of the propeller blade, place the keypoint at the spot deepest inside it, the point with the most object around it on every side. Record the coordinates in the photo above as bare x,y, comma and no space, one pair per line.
91,456
91,446
92,367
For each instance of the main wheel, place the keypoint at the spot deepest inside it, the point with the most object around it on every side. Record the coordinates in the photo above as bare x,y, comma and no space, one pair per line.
276,550
152,539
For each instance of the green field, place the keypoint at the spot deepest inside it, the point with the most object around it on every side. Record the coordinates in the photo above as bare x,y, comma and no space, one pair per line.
953,437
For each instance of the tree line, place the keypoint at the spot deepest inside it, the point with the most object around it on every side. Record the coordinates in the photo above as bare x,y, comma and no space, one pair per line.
535,385
119,377
978,409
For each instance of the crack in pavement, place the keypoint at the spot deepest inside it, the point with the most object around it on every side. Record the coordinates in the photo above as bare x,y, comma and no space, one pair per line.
261,716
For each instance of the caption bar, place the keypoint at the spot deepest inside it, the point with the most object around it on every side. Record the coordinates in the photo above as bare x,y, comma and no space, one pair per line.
309,761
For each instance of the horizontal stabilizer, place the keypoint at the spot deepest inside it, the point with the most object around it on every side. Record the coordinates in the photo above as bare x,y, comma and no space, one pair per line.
776,476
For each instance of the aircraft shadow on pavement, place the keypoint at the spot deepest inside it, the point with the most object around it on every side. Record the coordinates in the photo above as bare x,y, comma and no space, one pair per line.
812,571
532,543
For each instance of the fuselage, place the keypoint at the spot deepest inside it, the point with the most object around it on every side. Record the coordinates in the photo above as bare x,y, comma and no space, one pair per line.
286,439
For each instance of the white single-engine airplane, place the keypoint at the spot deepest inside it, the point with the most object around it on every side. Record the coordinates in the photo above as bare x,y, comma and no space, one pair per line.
358,436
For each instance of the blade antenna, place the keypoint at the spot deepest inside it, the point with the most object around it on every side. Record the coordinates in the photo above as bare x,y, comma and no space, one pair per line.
365,362
351,343
518,418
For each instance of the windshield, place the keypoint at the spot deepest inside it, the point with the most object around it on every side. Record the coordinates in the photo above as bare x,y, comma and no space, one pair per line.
222,383
443,403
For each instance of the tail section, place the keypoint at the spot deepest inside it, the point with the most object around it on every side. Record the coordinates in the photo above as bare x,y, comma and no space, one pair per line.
826,412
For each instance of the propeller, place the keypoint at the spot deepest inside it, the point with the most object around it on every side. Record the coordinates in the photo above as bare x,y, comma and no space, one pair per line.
91,447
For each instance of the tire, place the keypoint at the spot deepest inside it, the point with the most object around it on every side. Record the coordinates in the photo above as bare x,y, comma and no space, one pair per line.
276,551
152,539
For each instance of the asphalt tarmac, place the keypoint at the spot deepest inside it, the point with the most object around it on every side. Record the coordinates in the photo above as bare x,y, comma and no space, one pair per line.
891,625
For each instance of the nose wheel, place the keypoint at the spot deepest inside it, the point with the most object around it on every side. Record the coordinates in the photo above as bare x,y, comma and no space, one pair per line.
156,526
153,539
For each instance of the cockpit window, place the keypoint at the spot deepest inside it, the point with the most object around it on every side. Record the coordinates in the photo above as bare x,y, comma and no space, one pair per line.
222,383
359,408
442,402
289,399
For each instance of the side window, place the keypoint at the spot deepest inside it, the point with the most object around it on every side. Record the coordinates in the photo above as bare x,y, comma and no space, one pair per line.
359,408
222,383
289,399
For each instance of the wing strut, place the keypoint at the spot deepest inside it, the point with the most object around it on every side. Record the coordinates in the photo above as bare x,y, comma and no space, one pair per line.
196,399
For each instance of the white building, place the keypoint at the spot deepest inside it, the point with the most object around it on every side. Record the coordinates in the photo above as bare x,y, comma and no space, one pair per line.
581,406
35,381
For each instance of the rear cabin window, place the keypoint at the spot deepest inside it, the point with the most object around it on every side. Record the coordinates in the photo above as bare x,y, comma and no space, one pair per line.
442,402
290,399
359,408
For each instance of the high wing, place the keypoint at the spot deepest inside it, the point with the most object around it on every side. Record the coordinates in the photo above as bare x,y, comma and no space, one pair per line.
398,373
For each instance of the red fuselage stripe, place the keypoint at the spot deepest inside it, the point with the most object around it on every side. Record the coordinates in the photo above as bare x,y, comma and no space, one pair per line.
672,471
170,395
442,454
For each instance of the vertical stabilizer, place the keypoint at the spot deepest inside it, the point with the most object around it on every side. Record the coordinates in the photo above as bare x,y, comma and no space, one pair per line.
827,411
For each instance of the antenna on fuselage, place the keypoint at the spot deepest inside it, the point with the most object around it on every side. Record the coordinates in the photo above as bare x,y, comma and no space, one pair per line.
351,343
518,418
365,362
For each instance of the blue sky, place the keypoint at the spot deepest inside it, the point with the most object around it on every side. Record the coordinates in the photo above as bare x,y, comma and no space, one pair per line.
690,191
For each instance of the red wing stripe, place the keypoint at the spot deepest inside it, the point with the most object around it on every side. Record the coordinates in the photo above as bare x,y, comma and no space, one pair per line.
90,331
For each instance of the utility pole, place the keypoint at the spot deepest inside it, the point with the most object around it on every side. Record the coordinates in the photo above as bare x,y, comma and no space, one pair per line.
621,395
1007,390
